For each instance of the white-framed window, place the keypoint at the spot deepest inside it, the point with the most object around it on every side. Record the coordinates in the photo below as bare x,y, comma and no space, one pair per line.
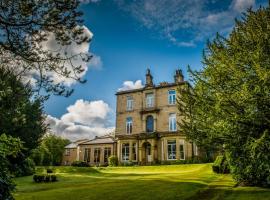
129,124
182,149
97,155
172,122
125,152
171,97
171,144
195,149
87,153
149,100
67,152
107,154
129,103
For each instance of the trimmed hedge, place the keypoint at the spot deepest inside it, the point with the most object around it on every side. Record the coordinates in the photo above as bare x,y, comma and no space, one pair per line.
113,161
39,178
80,164
221,165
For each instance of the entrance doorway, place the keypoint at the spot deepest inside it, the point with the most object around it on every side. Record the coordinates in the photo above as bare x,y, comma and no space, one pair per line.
147,152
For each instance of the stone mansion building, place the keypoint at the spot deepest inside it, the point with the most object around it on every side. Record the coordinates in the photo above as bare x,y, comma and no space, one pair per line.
146,127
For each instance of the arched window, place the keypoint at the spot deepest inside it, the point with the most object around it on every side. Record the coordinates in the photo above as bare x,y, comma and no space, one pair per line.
149,123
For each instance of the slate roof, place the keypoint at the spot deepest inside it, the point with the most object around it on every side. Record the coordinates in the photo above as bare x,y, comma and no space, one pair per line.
100,140
75,144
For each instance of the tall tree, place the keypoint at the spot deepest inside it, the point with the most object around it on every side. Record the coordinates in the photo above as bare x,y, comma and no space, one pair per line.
9,146
26,26
50,151
229,106
21,114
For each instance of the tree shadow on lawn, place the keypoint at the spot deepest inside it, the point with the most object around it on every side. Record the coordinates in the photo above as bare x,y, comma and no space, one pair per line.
224,192
117,189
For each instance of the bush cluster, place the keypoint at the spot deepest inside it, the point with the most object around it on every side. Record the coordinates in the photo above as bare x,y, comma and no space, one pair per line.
113,161
39,178
194,160
80,164
221,165
23,168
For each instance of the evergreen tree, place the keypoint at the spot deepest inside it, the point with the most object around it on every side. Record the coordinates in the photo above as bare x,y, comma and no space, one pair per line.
229,107
21,116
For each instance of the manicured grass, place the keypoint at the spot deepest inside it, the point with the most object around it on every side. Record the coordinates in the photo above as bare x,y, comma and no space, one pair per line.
139,183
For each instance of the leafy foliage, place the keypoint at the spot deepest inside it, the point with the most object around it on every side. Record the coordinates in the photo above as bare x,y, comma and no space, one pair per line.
113,161
221,165
80,164
39,178
50,151
8,147
25,25
21,115
229,109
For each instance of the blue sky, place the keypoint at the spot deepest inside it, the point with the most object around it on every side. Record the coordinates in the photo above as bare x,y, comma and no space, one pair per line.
131,36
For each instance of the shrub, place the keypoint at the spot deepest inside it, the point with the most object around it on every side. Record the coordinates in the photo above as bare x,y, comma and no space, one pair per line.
25,167
47,178
80,164
53,178
221,165
113,161
251,165
49,171
39,178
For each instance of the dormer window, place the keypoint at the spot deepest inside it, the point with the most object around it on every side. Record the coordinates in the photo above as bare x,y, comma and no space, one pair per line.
171,97
149,100
129,103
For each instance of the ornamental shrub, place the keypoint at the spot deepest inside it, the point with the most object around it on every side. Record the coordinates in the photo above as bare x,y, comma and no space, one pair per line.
221,165
39,178
80,164
113,161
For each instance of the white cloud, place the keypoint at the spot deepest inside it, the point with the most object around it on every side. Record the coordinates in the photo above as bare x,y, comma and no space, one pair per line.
89,1
241,5
82,50
78,52
185,23
95,62
130,85
84,119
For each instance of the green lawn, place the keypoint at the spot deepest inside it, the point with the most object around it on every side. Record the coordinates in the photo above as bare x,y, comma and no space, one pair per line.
149,182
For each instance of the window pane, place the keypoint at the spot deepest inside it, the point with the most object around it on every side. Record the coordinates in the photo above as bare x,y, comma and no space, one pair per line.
125,152
149,123
149,100
129,125
172,122
171,149
107,154
129,103
172,97
97,155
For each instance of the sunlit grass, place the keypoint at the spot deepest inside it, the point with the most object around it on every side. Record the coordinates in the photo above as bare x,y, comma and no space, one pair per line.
148,182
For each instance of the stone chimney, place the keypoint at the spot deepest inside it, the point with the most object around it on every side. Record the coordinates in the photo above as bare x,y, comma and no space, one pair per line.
149,79
178,77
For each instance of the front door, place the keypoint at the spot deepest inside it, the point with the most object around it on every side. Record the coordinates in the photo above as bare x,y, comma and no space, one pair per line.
148,156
